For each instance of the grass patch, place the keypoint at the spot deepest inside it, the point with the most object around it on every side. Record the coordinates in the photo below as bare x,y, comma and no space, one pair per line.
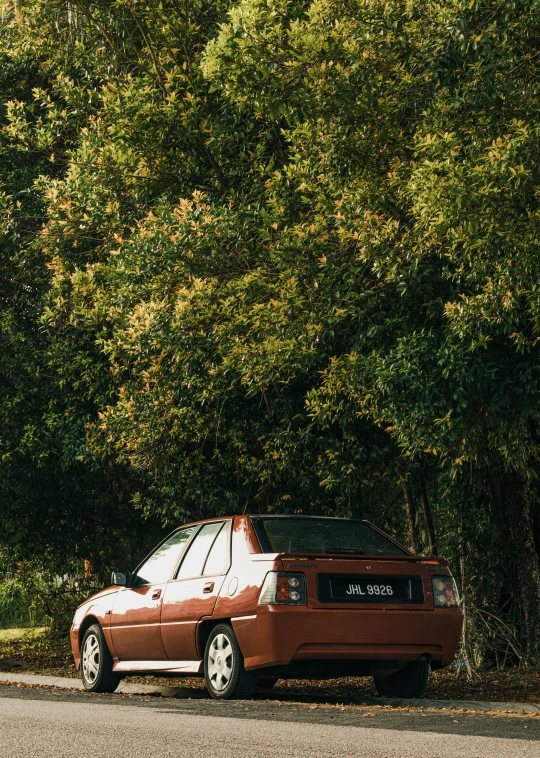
11,635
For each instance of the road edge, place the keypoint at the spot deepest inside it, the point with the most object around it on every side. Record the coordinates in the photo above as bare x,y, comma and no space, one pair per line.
192,693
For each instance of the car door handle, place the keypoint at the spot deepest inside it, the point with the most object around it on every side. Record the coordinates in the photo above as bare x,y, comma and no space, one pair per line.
208,587
156,594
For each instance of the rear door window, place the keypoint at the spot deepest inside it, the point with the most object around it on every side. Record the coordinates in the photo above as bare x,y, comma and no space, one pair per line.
196,556
219,558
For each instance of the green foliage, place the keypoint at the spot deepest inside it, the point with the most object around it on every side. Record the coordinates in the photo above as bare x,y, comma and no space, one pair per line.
15,608
273,256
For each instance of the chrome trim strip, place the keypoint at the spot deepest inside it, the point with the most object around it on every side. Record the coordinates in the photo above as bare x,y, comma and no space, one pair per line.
188,667
178,623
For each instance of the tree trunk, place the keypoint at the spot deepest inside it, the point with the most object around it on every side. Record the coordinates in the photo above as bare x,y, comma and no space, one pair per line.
356,508
524,566
535,510
411,514
428,516
465,637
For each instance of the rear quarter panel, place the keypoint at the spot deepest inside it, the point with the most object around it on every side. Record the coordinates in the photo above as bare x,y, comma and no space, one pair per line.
240,592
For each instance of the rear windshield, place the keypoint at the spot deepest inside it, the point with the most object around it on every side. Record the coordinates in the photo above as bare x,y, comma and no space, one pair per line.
322,535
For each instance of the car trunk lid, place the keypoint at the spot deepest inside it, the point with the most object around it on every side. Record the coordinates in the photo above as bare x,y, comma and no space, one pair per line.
349,581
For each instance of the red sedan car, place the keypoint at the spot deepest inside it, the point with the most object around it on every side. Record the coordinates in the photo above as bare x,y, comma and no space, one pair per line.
244,601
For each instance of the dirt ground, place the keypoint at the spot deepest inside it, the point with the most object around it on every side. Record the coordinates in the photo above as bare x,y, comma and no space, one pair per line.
34,653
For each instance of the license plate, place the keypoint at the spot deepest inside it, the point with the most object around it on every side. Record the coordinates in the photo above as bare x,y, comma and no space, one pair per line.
370,589
365,589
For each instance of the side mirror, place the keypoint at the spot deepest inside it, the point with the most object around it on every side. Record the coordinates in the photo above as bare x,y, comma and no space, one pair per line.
121,578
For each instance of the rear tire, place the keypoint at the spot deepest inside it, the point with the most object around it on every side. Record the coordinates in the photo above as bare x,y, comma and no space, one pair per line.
96,662
410,682
224,672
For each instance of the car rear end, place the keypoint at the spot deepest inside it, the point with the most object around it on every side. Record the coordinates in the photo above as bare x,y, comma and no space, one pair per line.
329,608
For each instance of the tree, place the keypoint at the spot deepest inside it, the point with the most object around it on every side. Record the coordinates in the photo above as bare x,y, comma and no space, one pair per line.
290,257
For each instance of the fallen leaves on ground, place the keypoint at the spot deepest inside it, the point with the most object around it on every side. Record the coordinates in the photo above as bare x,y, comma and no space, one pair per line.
510,685
42,655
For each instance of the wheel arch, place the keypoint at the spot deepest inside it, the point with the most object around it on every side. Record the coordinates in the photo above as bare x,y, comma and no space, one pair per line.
205,629
87,622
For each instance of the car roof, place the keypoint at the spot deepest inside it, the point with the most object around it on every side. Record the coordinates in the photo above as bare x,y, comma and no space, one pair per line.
268,516
301,515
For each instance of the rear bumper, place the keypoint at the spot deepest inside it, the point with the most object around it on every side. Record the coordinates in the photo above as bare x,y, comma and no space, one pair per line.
277,636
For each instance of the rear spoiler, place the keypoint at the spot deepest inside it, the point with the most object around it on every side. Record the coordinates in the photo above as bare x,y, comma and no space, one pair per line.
357,557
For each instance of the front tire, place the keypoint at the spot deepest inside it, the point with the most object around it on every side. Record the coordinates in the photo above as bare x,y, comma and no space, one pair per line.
224,672
410,682
96,662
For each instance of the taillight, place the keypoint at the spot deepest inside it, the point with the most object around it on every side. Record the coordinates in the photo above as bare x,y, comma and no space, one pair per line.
445,593
281,588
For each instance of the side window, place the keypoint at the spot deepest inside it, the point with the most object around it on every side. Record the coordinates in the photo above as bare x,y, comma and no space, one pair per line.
195,558
160,565
219,556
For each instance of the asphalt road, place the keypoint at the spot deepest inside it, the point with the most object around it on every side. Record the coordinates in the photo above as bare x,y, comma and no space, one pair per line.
51,723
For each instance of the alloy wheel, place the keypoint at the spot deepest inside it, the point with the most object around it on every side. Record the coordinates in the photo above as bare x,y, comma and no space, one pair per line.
220,662
91,658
